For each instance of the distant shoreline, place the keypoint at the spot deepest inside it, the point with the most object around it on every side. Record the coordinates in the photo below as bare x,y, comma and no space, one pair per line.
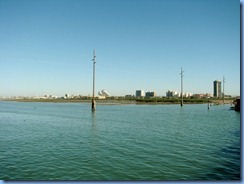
115,101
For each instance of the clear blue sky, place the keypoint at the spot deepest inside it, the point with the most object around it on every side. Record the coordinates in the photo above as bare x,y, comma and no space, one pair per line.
46,46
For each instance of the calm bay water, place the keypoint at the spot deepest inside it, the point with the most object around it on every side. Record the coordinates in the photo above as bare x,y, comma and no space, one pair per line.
66,141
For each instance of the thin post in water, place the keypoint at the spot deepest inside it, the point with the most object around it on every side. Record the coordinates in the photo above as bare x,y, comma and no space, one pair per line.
93,92
181,73
223,90
208,104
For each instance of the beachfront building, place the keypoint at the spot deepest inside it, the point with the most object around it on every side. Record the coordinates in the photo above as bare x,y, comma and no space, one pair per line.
203,95
187,94
171,93
217,89
103,94
150,94
140,93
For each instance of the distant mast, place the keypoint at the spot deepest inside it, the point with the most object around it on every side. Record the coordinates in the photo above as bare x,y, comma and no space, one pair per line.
181,74
93,93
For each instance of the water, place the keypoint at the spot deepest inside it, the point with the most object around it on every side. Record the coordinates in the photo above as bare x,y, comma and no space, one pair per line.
66,141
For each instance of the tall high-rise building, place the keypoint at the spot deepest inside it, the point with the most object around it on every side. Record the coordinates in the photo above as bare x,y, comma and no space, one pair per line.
217,88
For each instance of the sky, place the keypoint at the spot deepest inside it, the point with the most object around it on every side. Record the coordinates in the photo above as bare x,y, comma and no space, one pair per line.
46,46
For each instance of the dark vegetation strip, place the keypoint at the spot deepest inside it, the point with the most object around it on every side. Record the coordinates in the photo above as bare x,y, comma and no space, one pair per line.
129,101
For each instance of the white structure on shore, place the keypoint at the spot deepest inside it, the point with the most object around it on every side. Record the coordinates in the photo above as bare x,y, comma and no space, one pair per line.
171,93
103,93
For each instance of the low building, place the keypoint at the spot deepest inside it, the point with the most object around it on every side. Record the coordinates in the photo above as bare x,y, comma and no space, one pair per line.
187,95
209,95
204,95
101,97
171,93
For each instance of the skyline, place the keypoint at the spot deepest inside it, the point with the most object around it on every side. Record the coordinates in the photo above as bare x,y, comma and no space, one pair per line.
46,47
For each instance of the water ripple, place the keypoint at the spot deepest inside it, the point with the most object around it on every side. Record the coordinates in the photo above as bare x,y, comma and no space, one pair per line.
62,142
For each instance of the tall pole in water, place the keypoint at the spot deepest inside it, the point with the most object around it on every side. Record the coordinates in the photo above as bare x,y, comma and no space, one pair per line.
93,93
181,73
223,90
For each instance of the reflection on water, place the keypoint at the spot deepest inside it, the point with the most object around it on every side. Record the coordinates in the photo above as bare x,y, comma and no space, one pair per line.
93,121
